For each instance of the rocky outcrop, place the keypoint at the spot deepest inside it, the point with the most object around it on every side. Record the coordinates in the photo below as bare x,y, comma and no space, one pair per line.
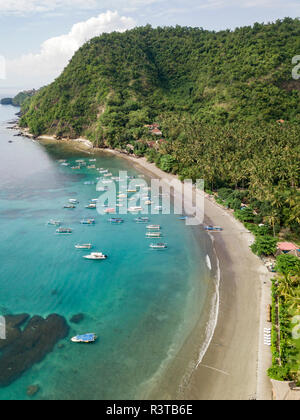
24,348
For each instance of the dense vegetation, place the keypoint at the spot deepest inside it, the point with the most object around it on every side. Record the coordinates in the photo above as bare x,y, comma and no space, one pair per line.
286,320
19,99
218,97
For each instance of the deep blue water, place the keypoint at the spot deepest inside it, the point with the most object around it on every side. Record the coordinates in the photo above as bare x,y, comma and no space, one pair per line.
141,303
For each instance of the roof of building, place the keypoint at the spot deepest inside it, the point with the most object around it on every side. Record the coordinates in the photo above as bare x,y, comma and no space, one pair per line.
287,246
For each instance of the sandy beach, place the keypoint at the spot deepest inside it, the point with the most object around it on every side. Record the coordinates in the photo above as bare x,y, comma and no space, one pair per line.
235,365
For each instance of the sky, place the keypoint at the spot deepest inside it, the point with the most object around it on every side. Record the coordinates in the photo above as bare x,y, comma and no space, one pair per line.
39,37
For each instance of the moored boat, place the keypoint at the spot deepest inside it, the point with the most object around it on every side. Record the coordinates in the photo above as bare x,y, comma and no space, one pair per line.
70,206
96,256
64,231
84,246
158,246
85,339
116,221
213,228
91,206
88,222
154,227
54,223
142,220
153,235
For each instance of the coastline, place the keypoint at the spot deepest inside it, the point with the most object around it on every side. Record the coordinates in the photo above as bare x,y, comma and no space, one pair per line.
235,363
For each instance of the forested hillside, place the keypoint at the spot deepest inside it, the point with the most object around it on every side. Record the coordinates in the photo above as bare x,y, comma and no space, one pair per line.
118,82
226,103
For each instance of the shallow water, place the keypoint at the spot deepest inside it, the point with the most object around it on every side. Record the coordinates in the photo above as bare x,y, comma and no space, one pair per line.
142,304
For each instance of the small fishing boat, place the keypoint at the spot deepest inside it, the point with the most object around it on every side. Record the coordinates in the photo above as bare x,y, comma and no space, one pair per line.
158,246
73,201
54,223
142,220
84,339
65,164
102,189
95,200
76,167
84,246
91,206
132,191
93,160
154,227
183,218
148,203
213,228
96,256
89,183
91,167
153,235
70,206
64,231
88,222
108,174
116,221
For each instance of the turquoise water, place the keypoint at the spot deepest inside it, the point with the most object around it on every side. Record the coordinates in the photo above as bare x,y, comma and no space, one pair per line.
141,303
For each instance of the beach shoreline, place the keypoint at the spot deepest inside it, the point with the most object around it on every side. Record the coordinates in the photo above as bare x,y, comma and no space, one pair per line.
235,363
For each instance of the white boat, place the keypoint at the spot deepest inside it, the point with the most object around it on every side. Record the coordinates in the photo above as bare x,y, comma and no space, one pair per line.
91,206
158,246
142,220
96,256
91,167
154,227
84,246
69,206
85,339
73,201
93,160
153,235
54,223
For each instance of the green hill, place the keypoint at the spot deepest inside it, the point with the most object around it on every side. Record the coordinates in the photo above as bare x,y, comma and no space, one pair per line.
118,82
226,102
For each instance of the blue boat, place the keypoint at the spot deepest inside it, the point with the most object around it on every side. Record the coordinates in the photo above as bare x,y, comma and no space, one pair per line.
88,222
86,338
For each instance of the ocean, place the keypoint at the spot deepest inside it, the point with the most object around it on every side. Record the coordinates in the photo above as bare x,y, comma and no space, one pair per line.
142,304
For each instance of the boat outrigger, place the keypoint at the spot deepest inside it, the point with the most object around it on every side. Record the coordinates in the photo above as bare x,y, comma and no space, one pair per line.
85,339
96,256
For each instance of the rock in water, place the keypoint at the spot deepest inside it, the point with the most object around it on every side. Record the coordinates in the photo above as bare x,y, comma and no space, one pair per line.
32,390
30,346
76,319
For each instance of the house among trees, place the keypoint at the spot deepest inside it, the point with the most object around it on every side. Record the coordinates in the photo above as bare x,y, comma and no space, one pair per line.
288,248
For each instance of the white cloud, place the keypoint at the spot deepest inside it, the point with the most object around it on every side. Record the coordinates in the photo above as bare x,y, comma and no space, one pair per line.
34,70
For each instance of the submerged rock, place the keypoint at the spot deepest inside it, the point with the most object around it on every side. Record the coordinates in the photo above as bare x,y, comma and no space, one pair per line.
76,319
24,348
32,390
